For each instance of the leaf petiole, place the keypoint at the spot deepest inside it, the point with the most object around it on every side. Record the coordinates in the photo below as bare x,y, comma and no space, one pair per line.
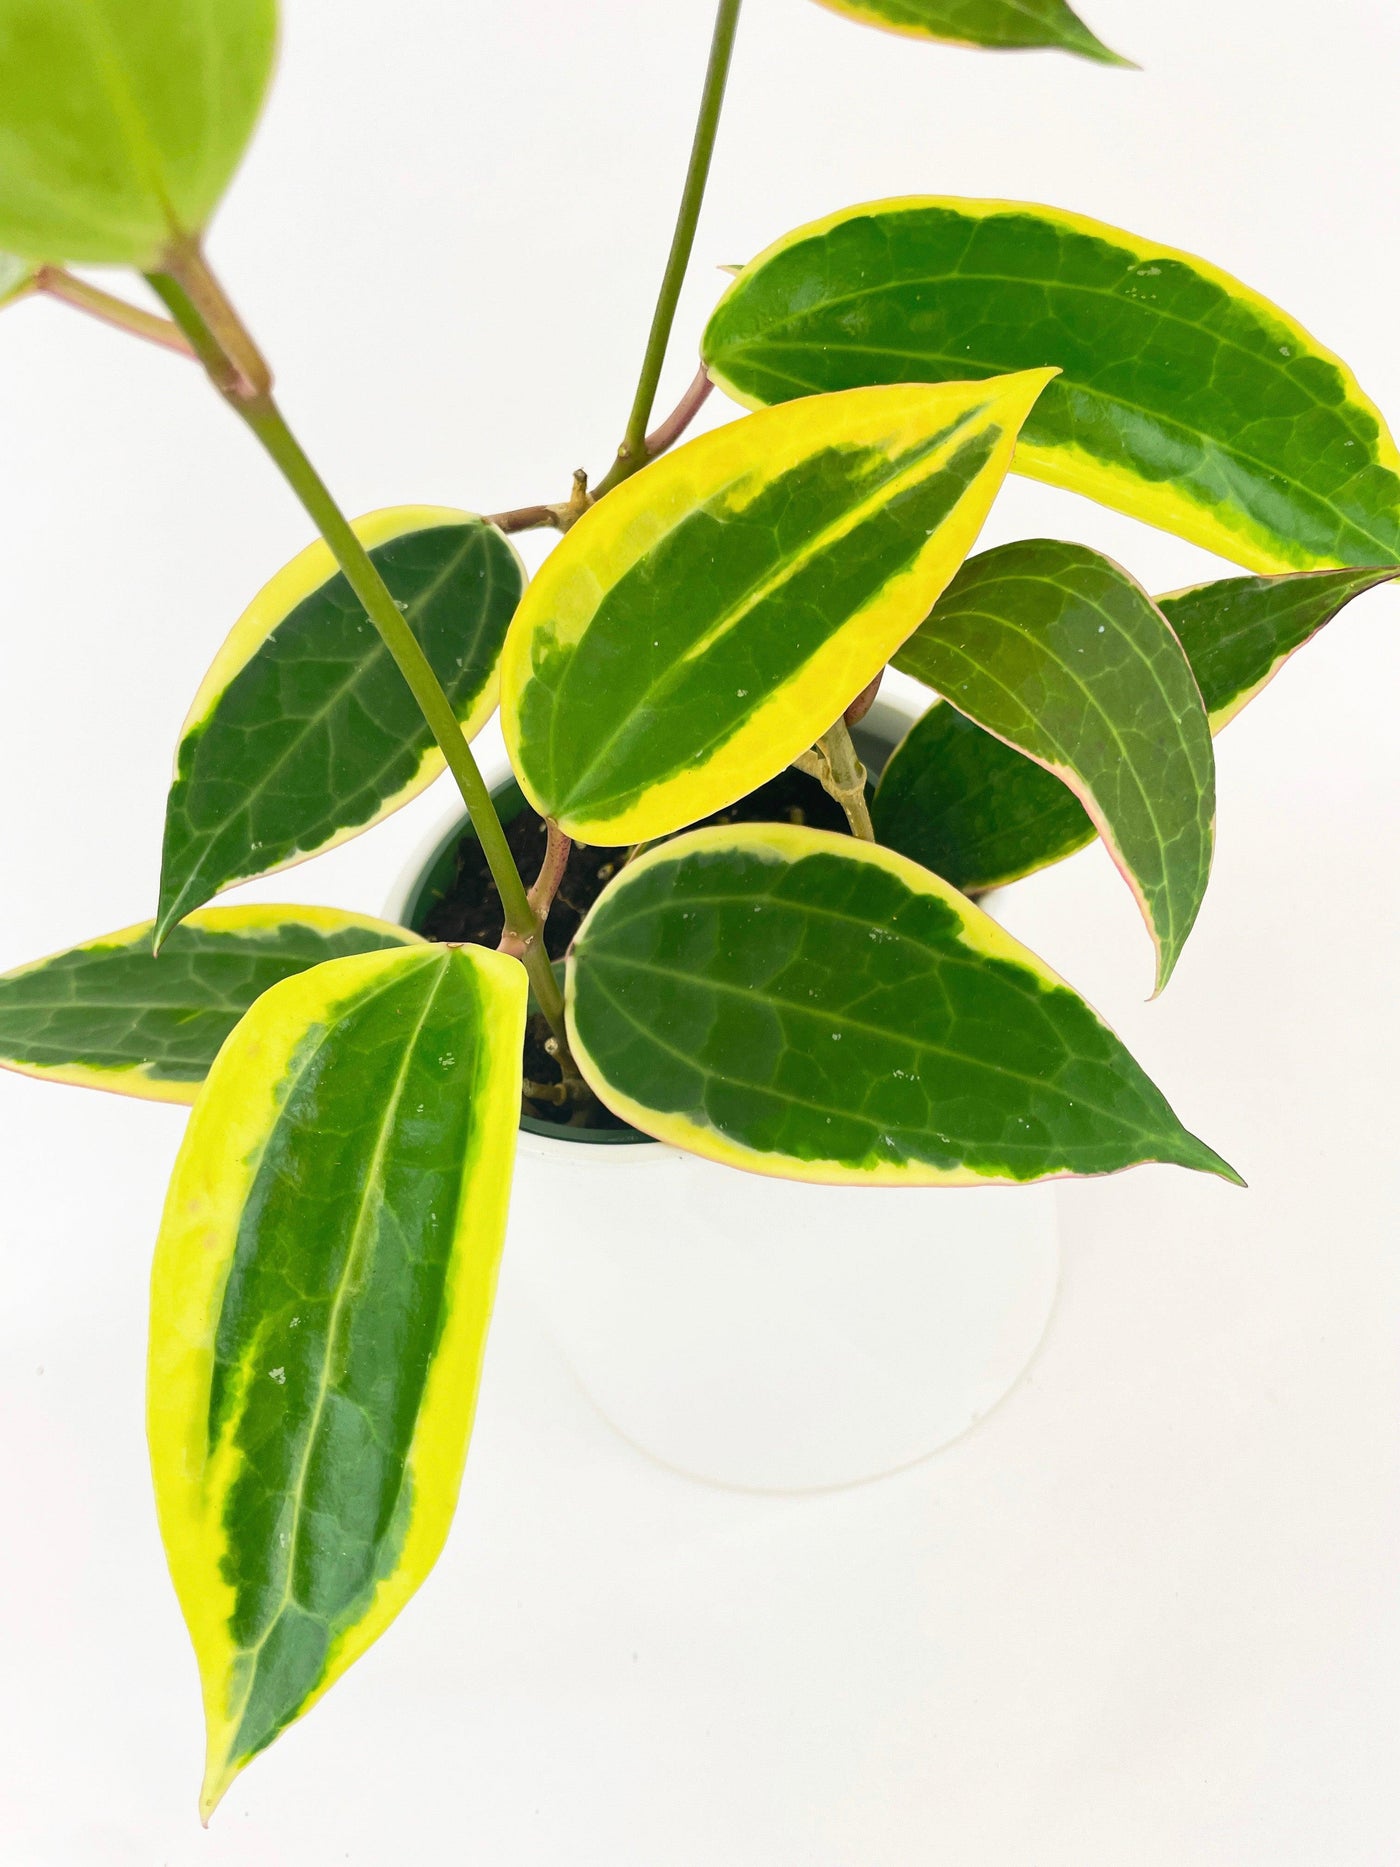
835,764
54,282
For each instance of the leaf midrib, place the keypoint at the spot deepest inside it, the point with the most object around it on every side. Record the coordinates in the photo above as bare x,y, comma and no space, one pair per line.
846,1022
934,460
1210,443
368,1199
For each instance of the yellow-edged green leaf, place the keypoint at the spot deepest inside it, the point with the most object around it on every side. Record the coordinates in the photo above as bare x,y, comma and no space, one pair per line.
1055,650
110,1014
999,25
304,733
713,615
815,1008
1184,398
980,814
319,1304
121,121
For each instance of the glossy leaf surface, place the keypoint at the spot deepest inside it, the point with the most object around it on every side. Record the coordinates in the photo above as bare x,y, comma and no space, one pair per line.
811,1007
121,121
1238,632
980,814
1185,399
1000,25
1056,651
319,1304
713,615
109,1014
304,733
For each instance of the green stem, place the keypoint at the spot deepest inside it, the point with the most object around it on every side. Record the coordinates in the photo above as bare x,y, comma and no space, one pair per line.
845,778
237,372
632,454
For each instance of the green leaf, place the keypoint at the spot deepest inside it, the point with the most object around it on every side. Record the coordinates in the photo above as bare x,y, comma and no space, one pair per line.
981,815
1001,25
975,811
807,1006
16,277
1059,653
1239,632
1184,398
304,733
109,1015
122,121
319,1305
710,618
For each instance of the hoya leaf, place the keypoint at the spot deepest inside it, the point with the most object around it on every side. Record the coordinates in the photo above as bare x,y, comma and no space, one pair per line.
708,620
972,808
1002,25
304,733
981,815
122,121
815,1008
319,1304
109,1014
1057,651
1238,632
1184,398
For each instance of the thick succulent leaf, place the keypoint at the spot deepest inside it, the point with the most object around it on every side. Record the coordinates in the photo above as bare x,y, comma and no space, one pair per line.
1002,25
1185,399
303,732
1057,651
713,615
980,814
121,121
16,277
109,1014
319,1305
815,1008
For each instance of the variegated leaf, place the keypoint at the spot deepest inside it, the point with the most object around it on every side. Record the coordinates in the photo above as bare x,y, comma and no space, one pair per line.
319,1305
714,614
816,1008
1184,398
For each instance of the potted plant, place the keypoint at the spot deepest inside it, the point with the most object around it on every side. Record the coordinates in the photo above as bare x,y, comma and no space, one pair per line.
819,1007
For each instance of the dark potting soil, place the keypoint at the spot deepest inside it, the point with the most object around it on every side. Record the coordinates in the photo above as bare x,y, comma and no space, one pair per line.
470,910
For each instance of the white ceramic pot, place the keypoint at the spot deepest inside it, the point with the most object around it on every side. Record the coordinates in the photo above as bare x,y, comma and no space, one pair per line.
767,1335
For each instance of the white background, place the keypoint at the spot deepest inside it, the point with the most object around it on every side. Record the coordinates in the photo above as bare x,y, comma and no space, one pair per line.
1146,1615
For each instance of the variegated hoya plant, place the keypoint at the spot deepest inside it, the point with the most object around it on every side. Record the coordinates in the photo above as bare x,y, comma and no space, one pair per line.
771,996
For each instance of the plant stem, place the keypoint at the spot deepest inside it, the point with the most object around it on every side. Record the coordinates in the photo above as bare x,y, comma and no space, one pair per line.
668,432
664,435
557,850
845,778
243,379
632,453
108,309
524,518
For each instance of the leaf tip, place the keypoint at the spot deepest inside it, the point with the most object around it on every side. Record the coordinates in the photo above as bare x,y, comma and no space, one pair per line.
169,913
1201,1158
219,1773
